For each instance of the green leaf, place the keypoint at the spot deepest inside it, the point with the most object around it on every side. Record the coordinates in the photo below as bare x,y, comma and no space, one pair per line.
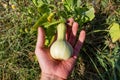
43,8
69,4
37,3
78,3
114,31
88,15
39,22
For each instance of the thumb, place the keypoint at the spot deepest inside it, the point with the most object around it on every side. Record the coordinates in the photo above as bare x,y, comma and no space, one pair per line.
40,38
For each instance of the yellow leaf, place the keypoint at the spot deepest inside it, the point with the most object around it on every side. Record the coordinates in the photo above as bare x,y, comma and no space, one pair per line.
13,6
114,31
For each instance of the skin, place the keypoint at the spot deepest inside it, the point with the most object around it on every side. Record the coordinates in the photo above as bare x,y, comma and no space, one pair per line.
54,69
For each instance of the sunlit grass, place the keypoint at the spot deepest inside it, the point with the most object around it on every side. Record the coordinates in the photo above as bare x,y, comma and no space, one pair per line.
99,58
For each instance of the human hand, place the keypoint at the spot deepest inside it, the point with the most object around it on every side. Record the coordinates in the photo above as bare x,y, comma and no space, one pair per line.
54,69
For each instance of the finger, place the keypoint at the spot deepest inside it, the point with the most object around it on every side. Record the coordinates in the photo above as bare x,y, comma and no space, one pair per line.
69,24
40,38
73,33
79,43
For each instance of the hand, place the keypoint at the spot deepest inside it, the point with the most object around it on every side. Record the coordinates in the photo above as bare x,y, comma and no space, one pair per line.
52,68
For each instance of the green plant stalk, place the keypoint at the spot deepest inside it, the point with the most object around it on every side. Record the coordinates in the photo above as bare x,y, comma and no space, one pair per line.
95,31
114,73
95,67
53,23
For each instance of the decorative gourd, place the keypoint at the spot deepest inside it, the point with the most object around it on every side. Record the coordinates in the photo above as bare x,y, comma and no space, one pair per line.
61,49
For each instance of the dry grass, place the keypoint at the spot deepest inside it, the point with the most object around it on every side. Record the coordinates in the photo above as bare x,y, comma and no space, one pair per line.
99,58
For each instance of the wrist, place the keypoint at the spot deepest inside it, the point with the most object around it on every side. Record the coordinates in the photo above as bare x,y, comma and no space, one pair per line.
46,76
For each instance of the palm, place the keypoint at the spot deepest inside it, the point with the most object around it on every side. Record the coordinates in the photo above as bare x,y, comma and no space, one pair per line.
51,66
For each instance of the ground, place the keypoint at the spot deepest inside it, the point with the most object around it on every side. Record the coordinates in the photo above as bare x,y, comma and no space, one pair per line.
99,58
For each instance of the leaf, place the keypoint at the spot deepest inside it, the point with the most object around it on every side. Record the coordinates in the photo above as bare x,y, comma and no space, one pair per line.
51,16
79,3
39,22
72,4
114,31
88,15
68,4
37,3
43,8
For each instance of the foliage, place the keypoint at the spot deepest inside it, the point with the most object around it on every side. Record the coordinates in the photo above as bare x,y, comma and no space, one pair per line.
99,58
53,13
114,31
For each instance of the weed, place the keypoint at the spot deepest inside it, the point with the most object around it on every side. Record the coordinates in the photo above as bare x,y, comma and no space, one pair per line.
99,58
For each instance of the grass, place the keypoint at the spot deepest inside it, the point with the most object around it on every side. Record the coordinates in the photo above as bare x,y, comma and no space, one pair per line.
99,58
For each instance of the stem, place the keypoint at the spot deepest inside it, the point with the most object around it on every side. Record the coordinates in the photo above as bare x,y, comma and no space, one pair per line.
95,31
61,30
